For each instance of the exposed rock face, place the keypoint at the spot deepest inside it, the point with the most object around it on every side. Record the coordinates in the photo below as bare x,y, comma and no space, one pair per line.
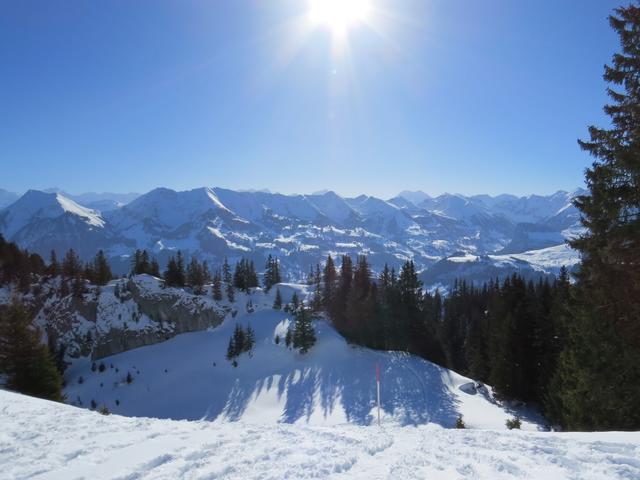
173,312
121,316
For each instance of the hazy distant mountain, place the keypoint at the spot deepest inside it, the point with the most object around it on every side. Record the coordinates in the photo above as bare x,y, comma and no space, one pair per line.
7,198
301,230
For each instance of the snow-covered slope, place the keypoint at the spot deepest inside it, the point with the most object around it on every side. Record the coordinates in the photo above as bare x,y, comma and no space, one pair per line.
534,264
46,440
188,377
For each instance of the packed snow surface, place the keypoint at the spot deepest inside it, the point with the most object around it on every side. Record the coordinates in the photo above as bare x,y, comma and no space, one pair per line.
46,440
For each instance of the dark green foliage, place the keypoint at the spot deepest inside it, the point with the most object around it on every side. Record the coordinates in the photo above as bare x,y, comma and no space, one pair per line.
304,336
242,341
228,280
104,410
244,276
197,275
277,303
271,273
460,422
71,264
295,302
174,275
513,423
598,378
142,264
217,286
100,270
19,266
27,364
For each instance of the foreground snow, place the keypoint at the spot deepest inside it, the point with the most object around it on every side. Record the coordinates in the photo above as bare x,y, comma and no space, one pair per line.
45,440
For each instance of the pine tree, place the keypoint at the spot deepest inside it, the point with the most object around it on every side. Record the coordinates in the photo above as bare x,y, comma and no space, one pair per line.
27,364
101,270
231,349
174,276
271,274
600,388
295,302
277,303
154,268
329,281
304,336
54,267
250,339
71,265
217,286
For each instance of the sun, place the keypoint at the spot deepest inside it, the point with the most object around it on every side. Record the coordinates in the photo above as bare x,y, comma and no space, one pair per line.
339,15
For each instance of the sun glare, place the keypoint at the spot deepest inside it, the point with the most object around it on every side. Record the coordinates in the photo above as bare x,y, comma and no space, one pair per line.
339,15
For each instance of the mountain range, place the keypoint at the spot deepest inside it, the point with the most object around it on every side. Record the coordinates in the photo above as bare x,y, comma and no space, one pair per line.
446,236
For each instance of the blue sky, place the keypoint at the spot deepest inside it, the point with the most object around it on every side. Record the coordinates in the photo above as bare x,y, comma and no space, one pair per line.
436,95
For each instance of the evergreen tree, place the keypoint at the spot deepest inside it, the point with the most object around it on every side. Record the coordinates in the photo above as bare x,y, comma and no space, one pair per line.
196,275
174,275
145,266
295,302
231,349
250,339
277,303
272,273
228,280
54,267
71,265
27,364
154,268
598,369
217,286
329,282
304,336
101,270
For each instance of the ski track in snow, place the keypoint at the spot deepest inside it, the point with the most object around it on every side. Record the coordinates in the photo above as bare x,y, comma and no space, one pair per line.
45,440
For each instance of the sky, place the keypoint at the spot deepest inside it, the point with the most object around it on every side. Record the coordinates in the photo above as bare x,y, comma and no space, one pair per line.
434,95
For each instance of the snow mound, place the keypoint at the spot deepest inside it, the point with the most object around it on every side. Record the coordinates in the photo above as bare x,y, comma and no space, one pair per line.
46,440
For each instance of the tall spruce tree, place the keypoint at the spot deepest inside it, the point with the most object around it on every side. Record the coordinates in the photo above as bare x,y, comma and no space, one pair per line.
599,371
27,364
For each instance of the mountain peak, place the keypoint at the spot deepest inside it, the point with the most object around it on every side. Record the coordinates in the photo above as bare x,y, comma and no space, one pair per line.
416,197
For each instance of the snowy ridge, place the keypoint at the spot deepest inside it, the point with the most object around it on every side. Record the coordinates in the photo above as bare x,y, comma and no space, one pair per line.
42,439
35,204
188,377
211,223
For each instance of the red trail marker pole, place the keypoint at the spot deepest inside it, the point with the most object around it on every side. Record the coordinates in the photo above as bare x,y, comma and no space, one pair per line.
378,389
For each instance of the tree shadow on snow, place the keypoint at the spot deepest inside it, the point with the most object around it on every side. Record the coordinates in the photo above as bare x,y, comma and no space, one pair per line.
338,381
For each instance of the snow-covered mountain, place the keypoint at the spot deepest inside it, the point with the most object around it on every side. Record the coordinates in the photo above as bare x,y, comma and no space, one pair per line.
42,222
212,223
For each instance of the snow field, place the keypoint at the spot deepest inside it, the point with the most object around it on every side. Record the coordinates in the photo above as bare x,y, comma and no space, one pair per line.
45,440
189,378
